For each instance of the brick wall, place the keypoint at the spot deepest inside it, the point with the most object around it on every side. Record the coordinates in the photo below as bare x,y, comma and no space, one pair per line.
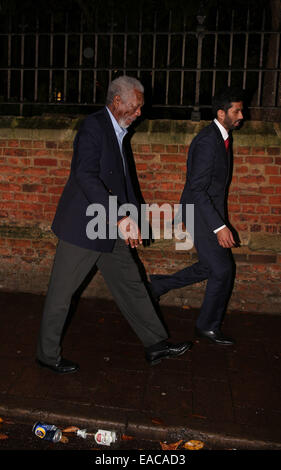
35,156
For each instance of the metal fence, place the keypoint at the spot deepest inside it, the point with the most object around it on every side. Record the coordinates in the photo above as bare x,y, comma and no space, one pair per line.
65,64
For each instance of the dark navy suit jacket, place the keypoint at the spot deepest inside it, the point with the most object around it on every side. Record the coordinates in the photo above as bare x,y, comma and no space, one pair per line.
208,173
96,174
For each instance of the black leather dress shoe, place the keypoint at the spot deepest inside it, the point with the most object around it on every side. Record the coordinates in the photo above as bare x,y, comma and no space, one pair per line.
62,367
165,350
215,336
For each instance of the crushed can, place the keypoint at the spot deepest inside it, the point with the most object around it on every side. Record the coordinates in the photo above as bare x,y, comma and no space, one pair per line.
105,438
48,432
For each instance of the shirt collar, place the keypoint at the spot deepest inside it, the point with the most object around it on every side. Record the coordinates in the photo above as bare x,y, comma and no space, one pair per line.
224,132
120,131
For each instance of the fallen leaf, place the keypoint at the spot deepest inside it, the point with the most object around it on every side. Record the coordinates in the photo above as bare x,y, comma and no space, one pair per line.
70,429
3,436
157,421
199,416
193,445
172,446
127,438
64,439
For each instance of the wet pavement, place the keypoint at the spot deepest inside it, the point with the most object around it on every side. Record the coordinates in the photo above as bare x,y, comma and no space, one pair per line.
225,396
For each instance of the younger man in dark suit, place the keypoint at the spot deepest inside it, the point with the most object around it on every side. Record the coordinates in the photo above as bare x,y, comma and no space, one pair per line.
99,171
207,180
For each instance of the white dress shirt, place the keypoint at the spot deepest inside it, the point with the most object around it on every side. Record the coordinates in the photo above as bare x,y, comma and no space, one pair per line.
120,134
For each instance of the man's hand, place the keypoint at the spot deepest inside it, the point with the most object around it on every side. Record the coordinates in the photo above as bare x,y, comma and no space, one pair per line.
130,232
225,238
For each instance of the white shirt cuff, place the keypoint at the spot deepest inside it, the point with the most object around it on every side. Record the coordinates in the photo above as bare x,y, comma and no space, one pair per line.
218,229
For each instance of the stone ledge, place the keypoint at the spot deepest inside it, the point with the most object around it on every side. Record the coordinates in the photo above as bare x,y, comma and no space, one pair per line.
252,133
261,244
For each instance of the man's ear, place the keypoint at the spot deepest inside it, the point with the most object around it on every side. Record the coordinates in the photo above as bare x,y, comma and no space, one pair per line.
116,100
221,114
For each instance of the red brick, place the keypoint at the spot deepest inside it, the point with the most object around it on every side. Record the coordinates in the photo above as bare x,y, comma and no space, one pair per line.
262,209
167,196
243,150
275,180
258,150
172,148
38,144
147,156
157,148
141,166
250,198
65,145
251,179
273,151
13,143
33,188
173,157
258,160
271,219
15,152
248,209
45,162
241,169
275,199
272,170
144,148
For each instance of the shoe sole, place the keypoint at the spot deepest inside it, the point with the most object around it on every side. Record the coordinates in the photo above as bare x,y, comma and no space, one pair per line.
214,341
157,361
47,366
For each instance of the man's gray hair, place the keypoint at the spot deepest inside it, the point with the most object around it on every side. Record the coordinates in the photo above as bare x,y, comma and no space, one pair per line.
123,86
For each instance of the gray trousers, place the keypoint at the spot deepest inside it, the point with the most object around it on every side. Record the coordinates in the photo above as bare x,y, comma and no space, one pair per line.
120,271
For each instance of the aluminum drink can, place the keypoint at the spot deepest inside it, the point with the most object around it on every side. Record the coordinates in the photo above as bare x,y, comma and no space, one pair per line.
105,438
48,432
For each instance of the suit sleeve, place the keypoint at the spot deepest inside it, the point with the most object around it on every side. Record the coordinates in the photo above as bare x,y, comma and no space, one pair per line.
200,177
86,166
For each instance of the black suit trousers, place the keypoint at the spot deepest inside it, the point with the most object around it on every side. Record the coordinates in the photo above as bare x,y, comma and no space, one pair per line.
216,265
121,273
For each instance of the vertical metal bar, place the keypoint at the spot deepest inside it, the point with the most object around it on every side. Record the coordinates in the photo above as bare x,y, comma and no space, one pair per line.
125,45
66,40
183,59
153,53
168,59
9,59
22,66
139,40
95,68
261,61
195,115
275,87
111,47
246,51
51,59
215,55
95,60
36,60
230,50
80,59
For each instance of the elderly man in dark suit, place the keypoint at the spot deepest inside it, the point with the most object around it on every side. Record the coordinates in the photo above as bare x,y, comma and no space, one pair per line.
207,180
99,170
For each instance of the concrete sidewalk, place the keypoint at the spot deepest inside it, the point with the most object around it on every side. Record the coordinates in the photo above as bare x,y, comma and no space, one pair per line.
228,397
